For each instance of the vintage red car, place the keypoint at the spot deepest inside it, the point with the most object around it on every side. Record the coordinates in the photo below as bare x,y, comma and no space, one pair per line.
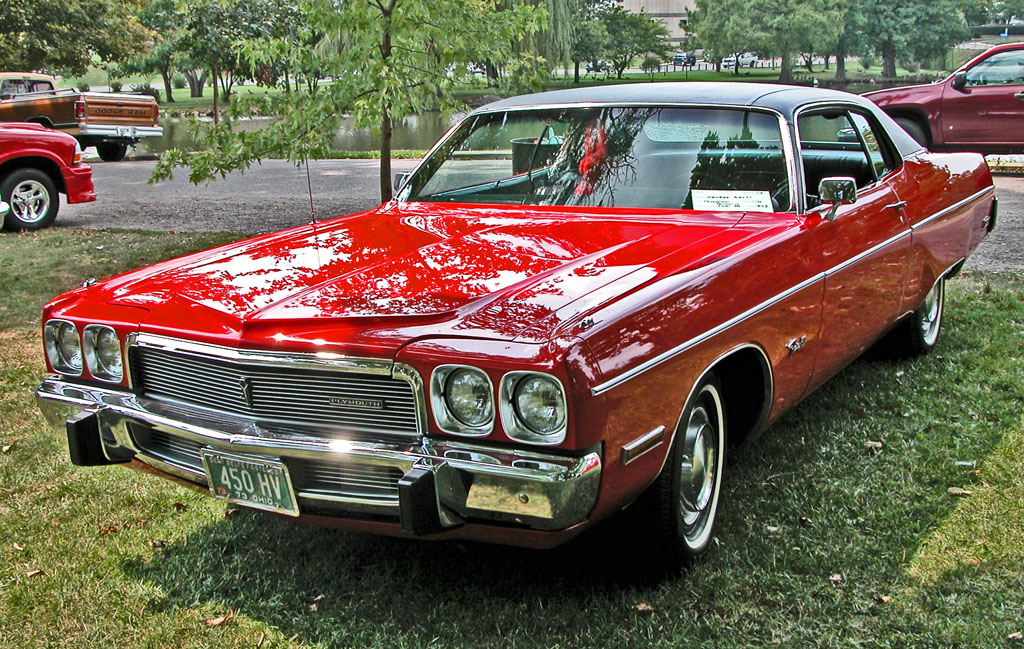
36,165
570,305
980,107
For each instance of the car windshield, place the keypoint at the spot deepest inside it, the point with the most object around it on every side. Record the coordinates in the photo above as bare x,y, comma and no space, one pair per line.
644,157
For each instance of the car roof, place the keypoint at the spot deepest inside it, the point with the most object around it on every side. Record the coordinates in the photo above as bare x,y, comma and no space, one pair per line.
786,100
34,76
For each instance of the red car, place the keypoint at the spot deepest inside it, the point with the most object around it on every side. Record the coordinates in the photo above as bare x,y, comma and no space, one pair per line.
980,107
573,303
35,164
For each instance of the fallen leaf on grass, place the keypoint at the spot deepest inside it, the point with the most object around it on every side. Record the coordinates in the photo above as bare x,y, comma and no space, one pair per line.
217,621
871,445
156,543
643,607
230,511
142,522
1015,636
806,522
974,562
885,599
180,507
836,578
6,448
33,573
957,491
19,548
113,528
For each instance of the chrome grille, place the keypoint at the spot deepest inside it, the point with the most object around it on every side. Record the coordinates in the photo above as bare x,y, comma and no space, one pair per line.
310,478
321,402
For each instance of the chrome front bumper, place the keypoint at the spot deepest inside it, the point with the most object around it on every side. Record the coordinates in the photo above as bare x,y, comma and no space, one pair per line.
469,481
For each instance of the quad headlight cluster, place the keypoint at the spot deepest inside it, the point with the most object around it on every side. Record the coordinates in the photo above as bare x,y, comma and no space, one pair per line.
99,348
531,404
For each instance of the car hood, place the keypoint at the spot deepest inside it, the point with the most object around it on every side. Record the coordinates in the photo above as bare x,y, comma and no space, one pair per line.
408,270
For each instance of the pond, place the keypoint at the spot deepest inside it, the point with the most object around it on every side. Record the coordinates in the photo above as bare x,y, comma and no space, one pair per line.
414,132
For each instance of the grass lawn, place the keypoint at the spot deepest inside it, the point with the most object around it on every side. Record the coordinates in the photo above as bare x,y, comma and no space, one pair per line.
823,542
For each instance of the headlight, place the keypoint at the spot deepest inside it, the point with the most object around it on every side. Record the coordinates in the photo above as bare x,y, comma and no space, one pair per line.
463,400
63,348
103,353
533,407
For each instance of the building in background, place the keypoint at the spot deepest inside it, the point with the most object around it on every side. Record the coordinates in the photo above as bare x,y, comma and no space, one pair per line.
670,12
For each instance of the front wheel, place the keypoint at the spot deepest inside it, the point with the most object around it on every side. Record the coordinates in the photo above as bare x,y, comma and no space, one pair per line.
32,197
913,129
111,151
686,493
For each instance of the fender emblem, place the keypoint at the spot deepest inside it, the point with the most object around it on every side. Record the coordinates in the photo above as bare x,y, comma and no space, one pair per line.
796,344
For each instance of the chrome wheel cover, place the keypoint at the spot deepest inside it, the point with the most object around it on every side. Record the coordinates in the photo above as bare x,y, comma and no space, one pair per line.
30,201
701,465
931,313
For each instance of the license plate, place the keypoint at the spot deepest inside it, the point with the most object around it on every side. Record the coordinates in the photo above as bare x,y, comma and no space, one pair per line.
255,482
124,131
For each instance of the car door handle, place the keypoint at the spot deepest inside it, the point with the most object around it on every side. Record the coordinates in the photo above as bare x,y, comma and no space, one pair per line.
899,205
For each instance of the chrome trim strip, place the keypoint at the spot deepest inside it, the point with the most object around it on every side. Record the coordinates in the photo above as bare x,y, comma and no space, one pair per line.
696,340
642,445
952,208
867,253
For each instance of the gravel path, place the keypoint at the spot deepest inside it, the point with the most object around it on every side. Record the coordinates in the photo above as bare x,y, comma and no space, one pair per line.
273,196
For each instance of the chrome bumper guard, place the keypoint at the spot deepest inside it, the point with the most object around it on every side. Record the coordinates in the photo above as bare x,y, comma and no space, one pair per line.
443,482
121,132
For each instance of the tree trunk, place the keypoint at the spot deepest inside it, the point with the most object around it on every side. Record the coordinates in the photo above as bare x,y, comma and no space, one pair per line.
196,81
827,57
841,60
287,81
576,73
165,72
216,96
785,71
889,59
385,113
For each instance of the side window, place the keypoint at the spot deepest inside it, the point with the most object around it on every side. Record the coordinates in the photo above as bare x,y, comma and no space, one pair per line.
40,86
874,147
12,87
830,145
1003,69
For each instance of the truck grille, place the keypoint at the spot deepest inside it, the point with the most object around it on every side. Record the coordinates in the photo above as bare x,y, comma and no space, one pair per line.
318,402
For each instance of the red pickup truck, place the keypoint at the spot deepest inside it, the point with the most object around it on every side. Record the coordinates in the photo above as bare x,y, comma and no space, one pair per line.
980,107
35,164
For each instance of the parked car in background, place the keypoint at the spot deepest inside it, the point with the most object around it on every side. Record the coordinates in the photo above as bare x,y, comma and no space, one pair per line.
745,59
980,107
38,164
685,59
599,67
571,305
109,121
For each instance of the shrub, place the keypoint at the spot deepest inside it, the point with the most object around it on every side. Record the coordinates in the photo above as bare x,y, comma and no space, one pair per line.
178,81
115,86
146,89
867,61
650,65
83,87
995,30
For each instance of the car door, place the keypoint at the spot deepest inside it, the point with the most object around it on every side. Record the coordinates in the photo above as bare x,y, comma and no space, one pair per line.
988,112
865,247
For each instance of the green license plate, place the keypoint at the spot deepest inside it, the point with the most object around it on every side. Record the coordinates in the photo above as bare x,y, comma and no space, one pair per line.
255,482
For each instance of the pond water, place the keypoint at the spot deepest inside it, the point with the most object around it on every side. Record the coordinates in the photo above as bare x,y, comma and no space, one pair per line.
414,132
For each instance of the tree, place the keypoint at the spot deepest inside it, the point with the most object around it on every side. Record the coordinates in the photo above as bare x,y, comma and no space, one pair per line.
897,29
631,35
589,44
162,20
66,34
400,57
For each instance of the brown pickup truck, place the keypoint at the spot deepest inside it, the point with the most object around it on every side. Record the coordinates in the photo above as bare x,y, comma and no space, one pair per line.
108,121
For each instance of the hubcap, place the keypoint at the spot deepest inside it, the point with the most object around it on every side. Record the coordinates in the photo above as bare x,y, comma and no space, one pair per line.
30,201
698,475
931,315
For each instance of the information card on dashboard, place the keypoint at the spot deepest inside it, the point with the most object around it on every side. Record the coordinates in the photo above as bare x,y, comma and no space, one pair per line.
732,200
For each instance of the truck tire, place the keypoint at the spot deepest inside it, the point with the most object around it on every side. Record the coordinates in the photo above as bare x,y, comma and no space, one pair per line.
913,129
111,151
32,197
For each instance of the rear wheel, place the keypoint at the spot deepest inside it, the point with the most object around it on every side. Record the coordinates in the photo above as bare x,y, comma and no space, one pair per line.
686,492
32,198
111,151
913,129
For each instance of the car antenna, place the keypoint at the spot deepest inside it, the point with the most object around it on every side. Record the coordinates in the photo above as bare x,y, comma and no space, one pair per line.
309,188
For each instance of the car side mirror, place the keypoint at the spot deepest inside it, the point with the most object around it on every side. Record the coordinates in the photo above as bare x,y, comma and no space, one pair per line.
400,180
4,208
837,190
959,81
